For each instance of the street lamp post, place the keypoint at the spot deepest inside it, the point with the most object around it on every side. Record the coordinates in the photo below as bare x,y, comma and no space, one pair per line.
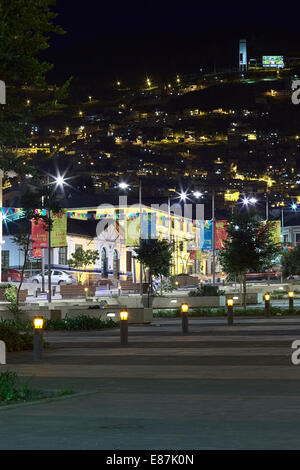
291,295
60,181
124,327
230,302
267,298
38,338
213,237
125,186
184,308
140,210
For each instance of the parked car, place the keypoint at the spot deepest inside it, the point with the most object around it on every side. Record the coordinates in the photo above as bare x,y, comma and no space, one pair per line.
11,274
295,277
57,277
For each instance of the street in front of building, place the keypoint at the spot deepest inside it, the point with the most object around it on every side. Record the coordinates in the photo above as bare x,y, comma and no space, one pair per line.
218,387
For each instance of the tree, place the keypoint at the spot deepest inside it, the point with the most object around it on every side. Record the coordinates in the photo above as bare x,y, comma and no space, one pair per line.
32,200
249,247
156,255
25,30
82,259
290,262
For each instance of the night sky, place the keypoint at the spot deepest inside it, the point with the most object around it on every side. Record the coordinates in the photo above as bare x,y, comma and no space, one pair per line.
119,40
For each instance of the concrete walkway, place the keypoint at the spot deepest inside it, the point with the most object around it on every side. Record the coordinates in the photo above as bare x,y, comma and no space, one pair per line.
219,387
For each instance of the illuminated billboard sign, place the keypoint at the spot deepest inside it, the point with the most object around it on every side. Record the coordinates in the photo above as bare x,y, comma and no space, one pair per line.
272,61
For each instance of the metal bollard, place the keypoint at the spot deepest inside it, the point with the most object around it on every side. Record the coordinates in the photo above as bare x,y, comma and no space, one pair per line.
124,327
267,298
230,303
291,295
184,308
38,338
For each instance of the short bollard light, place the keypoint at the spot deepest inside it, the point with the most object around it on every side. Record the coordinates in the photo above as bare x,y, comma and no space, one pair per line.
291,295
124,327
184,308
86,290
230,303
119,290
267,298
38,323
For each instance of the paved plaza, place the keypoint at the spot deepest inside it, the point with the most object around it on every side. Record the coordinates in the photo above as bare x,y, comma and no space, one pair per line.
219,387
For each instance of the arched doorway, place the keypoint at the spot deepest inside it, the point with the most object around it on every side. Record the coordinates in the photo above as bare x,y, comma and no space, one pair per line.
103,263
116,265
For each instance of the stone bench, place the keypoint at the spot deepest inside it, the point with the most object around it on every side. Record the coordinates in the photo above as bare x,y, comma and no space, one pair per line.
73,291
128,286
187,281
22,296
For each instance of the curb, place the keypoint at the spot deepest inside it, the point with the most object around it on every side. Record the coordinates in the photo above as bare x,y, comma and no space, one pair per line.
46,400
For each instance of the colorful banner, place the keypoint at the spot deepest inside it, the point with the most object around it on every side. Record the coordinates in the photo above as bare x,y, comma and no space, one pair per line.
37,253
276,231
39,234
220,233
199,255
192,255
148,228
59,230
206,234
132,232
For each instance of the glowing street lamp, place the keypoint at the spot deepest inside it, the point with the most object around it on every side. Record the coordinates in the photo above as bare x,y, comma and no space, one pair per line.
60,180
124,327
267,298
123,185
184,308
183,196
291,295
230,303
38,323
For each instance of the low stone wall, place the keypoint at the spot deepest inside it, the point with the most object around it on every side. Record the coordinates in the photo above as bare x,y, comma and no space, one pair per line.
135,315
173,302
251,297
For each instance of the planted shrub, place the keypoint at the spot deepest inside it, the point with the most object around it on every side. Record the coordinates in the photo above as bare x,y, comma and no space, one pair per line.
206,290
14,339
12,389
80,322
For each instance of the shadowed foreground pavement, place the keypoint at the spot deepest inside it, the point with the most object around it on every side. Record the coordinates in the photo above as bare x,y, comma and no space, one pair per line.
219,387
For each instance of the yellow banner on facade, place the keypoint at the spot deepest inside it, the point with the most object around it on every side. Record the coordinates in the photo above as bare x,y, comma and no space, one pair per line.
132,231
59,230
276,231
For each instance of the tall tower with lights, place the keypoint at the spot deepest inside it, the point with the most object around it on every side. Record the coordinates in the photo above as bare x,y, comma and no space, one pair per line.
243,55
